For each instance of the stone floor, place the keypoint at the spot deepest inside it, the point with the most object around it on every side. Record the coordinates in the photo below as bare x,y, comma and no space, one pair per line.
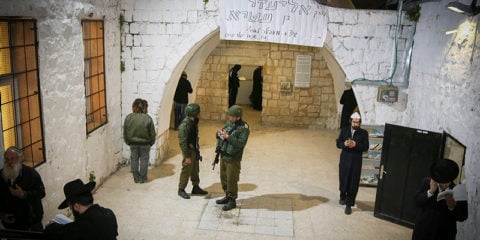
287,190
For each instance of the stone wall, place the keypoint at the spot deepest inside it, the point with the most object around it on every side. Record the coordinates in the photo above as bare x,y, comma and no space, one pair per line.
303,107
363,43
444,92
69,152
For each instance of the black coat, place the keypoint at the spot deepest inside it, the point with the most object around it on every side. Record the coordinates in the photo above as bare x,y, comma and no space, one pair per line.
27,211
183,89
350,166
257,88
434,220
96,223
349,103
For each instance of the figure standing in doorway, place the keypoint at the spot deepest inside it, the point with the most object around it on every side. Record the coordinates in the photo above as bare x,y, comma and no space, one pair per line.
437,219
349,104
257,88
181,98
353,141
139,134
233,84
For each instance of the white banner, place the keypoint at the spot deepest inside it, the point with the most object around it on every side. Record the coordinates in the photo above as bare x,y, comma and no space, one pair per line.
298,22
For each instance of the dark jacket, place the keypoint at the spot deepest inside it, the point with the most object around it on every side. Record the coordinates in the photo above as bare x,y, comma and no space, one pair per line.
138,129
188,137
96,223
351,158
349,103
434,220
233,80
183,89
29,210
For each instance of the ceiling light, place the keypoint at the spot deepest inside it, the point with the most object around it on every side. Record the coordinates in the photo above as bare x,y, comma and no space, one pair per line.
458,7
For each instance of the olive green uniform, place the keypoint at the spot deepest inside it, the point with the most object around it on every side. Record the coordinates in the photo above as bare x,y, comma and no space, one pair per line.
231,156
188,140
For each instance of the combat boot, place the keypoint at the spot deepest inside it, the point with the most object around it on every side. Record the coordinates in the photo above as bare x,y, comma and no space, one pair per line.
183,194
196,190
223,200
230,205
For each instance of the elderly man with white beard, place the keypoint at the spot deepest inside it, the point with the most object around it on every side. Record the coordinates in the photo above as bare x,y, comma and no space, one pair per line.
21,193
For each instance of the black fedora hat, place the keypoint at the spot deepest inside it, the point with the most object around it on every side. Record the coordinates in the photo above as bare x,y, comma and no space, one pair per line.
73,189
444,170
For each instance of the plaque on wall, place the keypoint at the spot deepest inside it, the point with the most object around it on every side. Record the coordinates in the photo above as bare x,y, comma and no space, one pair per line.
302,71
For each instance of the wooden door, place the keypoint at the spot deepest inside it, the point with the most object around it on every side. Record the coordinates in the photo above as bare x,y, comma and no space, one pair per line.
406,158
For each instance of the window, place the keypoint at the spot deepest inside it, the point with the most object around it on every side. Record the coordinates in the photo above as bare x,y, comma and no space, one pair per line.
21,115
96,107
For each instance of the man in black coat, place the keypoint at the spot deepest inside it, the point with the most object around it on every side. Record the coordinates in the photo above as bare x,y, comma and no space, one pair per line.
233,84
437,218
349,103
257,88
21,193
180,98
92,222
353,141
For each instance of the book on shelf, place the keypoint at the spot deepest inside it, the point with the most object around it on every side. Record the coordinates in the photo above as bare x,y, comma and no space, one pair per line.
375,132
375,147
374,155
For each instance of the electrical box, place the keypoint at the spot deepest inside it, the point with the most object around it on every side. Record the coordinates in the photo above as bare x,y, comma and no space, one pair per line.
387,94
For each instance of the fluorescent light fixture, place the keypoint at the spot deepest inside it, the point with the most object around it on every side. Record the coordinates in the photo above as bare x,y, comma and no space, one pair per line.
451,32
458,7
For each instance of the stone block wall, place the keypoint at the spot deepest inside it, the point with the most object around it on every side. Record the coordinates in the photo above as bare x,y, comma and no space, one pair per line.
302,107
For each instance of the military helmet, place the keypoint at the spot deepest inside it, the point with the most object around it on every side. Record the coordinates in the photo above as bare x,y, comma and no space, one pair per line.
192,110
235,110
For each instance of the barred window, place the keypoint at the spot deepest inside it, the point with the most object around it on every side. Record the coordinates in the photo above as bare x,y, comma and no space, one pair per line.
21,114
93,42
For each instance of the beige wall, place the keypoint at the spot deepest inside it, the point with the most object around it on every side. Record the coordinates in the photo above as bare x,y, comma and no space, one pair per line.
303,107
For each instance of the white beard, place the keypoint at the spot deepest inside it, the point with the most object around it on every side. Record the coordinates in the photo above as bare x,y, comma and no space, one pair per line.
9,174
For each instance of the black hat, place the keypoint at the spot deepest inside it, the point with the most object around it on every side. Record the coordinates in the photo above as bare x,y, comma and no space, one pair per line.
73,189
444,170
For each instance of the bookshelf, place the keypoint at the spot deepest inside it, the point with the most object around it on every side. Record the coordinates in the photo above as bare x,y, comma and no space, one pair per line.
371,158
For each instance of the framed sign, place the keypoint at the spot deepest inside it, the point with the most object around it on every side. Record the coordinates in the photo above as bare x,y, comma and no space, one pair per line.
285,87
302,71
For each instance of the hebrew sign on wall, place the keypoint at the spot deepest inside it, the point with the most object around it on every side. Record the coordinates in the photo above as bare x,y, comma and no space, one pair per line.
298,22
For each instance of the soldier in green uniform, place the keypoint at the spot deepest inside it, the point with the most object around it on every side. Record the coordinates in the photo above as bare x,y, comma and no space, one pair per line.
231,143
188,140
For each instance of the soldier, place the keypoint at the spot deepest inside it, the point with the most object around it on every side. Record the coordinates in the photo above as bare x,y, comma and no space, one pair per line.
188,140
232,140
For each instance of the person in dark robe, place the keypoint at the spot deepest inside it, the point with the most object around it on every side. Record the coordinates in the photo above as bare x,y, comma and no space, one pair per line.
233,84
180,98
353,141
91,221
349,103
257,88
21,193
437,218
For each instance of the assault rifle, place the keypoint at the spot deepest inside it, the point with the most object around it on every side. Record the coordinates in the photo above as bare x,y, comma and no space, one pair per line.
217,158
218,149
